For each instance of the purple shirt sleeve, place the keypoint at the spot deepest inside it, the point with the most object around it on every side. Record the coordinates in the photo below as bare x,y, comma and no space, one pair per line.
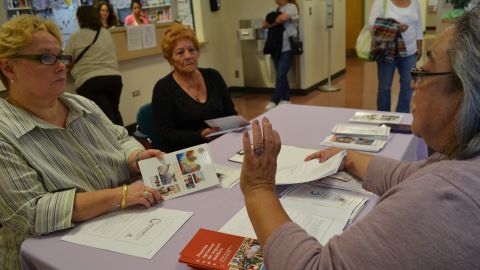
428,221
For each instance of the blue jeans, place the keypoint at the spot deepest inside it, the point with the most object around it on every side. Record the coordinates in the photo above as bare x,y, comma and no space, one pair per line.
282,65
385,72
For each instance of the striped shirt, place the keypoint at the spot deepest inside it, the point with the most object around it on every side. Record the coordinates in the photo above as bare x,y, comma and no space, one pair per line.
43,165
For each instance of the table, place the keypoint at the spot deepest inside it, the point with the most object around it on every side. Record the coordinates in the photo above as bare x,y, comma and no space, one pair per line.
299,125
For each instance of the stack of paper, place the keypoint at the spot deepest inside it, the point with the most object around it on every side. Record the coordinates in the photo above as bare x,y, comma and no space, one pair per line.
322,212
354,142
376,118
381,132
358,137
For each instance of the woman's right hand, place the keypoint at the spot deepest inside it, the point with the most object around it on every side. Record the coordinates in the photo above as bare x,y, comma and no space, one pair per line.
137,194
260,163
324,154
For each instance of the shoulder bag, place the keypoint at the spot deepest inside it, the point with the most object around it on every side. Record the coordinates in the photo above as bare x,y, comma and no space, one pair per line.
86,48
364,40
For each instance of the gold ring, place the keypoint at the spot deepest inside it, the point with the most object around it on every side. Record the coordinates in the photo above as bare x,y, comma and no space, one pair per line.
146,194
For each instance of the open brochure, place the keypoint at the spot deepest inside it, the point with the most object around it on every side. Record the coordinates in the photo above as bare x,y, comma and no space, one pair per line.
368,144
292,169
376,118
227,124
132,232
381,132
322,212
181,172
220,251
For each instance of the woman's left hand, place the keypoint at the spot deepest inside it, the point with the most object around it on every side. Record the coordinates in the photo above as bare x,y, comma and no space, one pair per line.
260,161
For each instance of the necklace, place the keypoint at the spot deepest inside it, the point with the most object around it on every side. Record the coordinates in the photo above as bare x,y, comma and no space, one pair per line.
195,88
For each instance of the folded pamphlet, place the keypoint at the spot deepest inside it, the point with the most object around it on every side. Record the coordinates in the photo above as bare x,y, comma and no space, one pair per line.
227,124
181,172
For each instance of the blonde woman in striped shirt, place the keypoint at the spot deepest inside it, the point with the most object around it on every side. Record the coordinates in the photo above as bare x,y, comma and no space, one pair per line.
62,161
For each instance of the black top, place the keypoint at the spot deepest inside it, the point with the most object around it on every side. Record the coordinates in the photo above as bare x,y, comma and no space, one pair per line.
180,119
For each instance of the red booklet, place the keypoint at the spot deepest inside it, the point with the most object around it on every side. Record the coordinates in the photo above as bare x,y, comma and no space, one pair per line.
211,250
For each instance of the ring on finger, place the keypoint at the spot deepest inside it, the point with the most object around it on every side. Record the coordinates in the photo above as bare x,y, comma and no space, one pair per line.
146,194
258,150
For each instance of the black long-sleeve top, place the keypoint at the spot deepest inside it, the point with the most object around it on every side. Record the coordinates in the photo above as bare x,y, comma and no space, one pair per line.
179,118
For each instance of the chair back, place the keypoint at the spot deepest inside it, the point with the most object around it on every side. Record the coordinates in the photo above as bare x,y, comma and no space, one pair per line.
146,125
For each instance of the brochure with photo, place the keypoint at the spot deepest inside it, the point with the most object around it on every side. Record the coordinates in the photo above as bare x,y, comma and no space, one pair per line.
220,251
227,124
181,172
381,132
368,144
376,118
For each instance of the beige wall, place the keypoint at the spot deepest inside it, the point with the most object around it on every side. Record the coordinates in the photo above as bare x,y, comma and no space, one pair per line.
222,49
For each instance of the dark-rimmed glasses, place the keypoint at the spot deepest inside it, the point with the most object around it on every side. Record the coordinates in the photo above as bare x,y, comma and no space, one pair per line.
418,73
47,59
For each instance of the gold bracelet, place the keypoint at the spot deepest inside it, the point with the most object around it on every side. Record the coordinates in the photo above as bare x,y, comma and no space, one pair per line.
124,197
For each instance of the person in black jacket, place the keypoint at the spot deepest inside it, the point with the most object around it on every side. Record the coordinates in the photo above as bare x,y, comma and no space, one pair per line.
273,44
189,95
281,24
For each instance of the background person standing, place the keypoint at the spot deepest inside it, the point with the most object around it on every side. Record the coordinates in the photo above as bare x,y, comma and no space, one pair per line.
96,73
283,60
407,14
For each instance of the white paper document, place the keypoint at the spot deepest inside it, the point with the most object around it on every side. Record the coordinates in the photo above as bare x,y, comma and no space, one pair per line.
134,38
306,171
376,118
292,169
289,155
181,172
227,124
149,36
323,214
137,232
228,176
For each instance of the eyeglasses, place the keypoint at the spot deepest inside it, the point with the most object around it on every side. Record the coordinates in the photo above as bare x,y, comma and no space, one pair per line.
48,59
418,73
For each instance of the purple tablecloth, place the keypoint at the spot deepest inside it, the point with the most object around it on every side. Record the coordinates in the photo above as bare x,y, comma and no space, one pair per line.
299,125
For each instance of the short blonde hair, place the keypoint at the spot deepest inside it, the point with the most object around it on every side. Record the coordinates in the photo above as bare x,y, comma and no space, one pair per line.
174,33
16,34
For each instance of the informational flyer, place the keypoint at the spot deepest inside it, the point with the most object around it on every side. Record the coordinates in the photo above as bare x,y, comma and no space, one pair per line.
133,232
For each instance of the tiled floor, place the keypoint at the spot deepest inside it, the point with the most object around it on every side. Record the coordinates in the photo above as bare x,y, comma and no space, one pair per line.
358,90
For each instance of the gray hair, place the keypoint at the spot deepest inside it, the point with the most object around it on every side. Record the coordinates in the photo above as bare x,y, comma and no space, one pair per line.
465,57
